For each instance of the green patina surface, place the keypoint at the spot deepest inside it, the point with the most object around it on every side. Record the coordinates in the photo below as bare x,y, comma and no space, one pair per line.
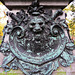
9,74
70,67
32,33
61,73
59,69
18,72
0,41
12,72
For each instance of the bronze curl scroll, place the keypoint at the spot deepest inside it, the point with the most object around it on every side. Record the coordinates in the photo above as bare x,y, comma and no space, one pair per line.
37,41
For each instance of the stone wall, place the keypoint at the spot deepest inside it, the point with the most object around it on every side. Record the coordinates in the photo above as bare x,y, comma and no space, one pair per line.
15,5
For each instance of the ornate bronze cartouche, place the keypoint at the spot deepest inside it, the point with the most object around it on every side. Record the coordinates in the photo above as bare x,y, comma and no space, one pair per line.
37,41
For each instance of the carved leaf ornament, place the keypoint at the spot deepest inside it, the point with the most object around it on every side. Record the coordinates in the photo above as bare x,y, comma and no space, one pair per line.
37,41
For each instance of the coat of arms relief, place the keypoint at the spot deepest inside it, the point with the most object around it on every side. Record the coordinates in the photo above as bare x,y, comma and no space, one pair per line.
37,41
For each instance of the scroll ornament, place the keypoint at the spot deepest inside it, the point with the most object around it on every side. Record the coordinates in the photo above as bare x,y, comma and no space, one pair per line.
37,42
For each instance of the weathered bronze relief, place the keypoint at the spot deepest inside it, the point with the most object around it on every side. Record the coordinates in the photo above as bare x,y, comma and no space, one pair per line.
37,41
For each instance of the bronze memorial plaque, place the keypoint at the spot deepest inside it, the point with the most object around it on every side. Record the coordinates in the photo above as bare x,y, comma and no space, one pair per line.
37,41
